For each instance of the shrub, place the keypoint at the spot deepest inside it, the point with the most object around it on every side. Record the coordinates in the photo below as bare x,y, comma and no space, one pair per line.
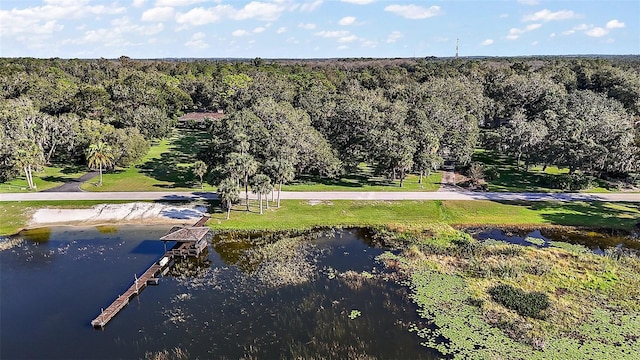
573,181
526,304
491,173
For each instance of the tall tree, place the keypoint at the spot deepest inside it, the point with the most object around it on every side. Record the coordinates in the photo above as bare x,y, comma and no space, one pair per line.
27,157
199,169
228,193
100,155
242,166
282,171
261,186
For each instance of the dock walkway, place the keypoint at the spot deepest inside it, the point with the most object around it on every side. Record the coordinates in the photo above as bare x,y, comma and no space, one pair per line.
183,249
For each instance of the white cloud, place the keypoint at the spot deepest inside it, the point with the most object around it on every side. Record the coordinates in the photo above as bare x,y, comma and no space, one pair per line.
369,44
342,47
197,41
138,3
503,16
515,33
597,32
117,36
45,19
614,24
547,15
281,30
240,33
534,43
200,16
347,39
309,7
581,27
347,20
414,11
332,34
174,3
307,26
529,2
341,36
259,10
487,42
358,2
158,14
259,30
394,36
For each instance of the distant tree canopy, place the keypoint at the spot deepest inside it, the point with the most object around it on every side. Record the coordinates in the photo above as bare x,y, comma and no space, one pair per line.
325,117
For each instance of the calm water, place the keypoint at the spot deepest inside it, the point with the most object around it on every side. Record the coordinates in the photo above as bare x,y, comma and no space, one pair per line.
597,242
234,302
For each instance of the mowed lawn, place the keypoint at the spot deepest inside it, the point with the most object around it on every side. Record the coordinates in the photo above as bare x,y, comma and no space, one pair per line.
166,167
300,214
514,179
363,179
49,177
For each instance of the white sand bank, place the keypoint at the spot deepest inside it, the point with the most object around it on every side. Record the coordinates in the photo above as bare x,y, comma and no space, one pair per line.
138,212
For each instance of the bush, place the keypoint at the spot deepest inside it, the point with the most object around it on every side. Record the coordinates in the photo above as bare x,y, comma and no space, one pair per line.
573,181
491,173
526,304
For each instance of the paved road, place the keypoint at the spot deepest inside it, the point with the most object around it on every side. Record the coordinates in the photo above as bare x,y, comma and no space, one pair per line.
450,195
74,185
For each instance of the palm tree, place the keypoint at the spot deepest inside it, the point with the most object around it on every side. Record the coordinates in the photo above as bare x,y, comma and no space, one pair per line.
242,166
282,171
228,193
28,157
199,169
261,185
100,155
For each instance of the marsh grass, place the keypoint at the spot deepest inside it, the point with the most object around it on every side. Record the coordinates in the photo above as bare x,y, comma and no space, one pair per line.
592,309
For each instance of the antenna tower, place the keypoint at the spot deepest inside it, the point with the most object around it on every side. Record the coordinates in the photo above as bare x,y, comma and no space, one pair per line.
457,42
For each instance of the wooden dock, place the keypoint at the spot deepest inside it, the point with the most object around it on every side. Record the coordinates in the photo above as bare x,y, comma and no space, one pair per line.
149,277
139,284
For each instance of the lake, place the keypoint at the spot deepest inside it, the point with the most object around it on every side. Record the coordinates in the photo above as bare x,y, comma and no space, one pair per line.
326,296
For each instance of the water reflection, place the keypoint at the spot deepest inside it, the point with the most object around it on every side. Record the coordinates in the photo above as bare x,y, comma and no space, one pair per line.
597,242
249,296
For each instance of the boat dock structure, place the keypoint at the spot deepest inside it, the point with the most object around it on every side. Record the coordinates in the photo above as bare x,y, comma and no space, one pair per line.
190,242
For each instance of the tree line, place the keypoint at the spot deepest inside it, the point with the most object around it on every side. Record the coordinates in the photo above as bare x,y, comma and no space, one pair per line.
298,117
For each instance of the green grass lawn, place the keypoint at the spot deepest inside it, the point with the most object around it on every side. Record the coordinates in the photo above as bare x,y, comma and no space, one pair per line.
296,214
49,177
513,179
364,180
167,167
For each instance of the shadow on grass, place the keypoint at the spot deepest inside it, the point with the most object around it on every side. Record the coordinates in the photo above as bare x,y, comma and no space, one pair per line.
595,214
186,146
511,178
358,180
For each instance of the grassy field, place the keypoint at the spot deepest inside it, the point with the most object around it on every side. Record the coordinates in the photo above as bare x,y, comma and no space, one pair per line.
167,166
512,179
364,180
49,177
296,214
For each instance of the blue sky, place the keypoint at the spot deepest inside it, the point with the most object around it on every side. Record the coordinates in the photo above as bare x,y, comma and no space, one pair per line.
316,28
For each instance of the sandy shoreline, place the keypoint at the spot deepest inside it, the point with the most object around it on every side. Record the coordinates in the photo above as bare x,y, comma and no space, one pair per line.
130,213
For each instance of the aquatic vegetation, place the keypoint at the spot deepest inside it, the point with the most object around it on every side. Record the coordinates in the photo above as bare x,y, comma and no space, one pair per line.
496,300
9,243
354,314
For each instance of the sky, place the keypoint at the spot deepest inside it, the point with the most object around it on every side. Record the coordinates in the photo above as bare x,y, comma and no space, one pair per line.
272,29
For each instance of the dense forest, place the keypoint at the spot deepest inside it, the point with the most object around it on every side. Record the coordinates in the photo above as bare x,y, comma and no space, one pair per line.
284,118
